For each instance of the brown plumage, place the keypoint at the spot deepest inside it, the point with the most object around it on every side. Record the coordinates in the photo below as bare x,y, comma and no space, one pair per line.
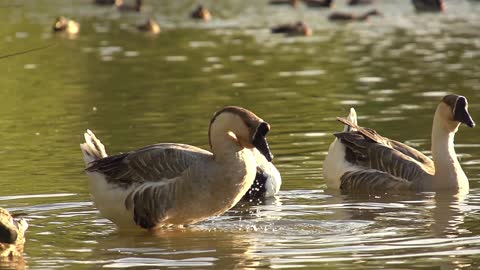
176,184
361,160
429,5
201,13
284,2
122,6
346,16
360,2
319,3
150,26
293,29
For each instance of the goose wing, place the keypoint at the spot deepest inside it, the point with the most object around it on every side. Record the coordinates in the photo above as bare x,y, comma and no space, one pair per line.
153,172
154,163
371,135
415,154
366,148
373,181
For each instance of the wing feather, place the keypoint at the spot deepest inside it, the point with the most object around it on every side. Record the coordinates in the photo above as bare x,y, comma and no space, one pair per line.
366,148
373,181
153,171
150,164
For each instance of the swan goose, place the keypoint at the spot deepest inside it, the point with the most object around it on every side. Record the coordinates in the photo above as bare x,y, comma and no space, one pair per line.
201,13
429,5
346,16
122,6
63,24
361,160
12,235
172,184
293,29
150,26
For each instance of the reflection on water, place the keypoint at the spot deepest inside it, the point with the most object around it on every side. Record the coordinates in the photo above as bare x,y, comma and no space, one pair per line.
135,89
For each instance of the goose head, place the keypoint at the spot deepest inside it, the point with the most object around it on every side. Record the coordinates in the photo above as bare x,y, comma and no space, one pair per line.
303,29
151,26
63,24
60,24
202,13
454,111
243,127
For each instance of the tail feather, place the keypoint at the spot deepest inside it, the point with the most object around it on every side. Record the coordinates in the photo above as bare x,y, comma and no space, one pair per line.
92,149
352,117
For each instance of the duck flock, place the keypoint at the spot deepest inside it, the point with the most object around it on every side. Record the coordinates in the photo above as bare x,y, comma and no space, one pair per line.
173,184
299,28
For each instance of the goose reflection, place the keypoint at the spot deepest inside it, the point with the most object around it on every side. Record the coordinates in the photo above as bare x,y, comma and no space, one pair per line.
188,247
448,215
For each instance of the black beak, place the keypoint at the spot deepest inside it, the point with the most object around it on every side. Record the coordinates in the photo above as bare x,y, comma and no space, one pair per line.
7,235
260,142
461,113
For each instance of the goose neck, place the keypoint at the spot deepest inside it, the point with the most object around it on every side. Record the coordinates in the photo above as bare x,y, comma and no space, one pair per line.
447,167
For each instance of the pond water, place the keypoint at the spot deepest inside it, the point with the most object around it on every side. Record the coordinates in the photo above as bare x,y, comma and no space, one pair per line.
133,89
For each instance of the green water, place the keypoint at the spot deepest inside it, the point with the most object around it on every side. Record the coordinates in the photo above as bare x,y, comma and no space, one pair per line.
133,89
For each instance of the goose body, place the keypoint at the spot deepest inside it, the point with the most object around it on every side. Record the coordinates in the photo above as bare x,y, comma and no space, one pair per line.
361,160
176,184
12,235
104,2
360,2
284,2
122,6
346,16
151,26
201,13
63,24
319,3
429,5
293,29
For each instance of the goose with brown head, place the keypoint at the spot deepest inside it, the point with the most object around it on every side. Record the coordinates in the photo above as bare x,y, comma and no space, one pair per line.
172,184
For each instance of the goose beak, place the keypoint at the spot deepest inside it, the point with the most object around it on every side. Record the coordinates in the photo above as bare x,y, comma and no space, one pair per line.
260,141
465,118
460,112
261,144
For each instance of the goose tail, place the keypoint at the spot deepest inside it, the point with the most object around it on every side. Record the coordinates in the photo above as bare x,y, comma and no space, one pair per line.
352,117
92,149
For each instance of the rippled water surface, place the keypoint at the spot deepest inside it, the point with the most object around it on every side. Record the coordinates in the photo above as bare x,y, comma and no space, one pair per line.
134,89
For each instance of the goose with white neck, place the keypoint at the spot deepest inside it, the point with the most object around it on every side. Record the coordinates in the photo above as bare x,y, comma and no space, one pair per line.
176,184
361,160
